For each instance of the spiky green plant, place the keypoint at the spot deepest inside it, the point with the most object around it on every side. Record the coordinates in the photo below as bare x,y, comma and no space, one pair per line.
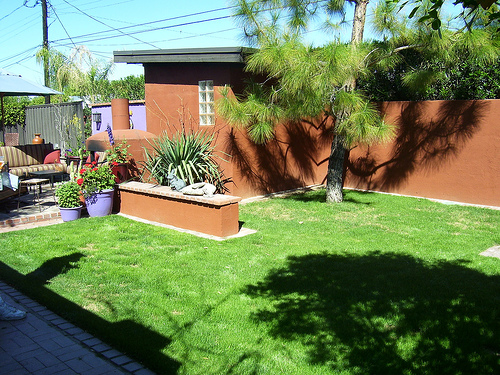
190,155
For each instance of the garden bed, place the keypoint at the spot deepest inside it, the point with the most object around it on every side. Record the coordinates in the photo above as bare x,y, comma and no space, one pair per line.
217,215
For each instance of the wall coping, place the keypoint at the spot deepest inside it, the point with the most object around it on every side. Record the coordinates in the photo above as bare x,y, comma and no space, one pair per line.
166,191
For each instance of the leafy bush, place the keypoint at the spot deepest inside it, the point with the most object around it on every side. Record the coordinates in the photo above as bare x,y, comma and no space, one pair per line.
469,79
118,152
68,195
15,110
189,155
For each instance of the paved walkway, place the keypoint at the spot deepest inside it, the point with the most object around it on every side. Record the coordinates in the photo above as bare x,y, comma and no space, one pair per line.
45,344
29,215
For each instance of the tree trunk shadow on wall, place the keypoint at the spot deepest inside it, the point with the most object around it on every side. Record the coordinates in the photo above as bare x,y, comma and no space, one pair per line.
290,160
421,143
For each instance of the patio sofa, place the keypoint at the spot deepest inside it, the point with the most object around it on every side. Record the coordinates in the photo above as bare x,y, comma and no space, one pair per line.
20,160
31,158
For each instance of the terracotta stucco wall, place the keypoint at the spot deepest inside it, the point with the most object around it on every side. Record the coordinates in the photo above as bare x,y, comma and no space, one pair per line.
298,156
442,149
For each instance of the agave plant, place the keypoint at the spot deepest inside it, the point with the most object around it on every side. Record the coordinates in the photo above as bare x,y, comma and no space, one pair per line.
190,155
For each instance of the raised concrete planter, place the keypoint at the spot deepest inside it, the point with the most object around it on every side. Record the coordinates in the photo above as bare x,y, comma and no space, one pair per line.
217,215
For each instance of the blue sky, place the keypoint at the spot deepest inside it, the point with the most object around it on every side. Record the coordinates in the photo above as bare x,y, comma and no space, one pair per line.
104,26
107,25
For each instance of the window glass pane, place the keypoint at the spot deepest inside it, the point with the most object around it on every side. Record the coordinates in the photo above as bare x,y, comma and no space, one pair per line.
206,102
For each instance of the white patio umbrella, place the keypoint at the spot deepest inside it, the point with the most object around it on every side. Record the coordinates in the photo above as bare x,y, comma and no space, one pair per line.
15,85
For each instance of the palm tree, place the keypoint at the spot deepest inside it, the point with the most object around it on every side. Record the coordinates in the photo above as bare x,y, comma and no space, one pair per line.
78,74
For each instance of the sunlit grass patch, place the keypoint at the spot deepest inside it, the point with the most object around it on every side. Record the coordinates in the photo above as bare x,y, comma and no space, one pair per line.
377,284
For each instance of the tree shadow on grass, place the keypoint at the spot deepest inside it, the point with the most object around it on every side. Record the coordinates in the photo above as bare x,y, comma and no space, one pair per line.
311,195
132,338
54,267
385,313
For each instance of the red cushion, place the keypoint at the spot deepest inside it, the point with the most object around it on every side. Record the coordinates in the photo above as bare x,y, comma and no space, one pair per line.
53,157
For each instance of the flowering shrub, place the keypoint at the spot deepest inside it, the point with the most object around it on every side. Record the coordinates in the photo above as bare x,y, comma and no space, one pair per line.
94,178
118,152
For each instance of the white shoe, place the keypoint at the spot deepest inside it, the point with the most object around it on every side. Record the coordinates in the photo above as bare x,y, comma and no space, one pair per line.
8,312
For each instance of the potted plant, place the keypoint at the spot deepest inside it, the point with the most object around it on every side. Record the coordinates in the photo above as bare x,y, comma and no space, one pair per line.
97,183
69,200
76,155
117,156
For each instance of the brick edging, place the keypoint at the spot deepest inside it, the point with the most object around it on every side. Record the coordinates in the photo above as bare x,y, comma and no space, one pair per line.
29,219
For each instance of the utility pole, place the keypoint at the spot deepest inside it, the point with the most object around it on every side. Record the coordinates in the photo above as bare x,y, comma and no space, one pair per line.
45,48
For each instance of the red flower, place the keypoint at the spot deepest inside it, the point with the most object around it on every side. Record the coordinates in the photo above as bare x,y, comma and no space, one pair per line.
94,169
82,171
94,163
80,181
114,163
87,166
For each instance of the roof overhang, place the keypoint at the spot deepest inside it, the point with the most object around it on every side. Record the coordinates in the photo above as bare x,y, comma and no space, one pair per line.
185,55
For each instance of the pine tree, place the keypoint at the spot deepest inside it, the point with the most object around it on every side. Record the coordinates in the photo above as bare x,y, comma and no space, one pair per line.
314,82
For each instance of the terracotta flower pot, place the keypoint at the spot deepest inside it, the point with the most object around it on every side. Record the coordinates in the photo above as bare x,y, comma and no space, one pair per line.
121,172
37,140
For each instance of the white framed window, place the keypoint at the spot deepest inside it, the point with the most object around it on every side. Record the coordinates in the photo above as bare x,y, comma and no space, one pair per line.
207,107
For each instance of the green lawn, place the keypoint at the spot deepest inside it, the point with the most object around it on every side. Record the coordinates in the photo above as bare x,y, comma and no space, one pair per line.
376,285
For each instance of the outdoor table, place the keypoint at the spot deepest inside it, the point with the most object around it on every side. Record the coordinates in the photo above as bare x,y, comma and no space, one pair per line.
48,174
33,182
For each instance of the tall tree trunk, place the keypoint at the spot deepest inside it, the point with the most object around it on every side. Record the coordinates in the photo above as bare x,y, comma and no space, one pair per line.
358,23
335,173
338,154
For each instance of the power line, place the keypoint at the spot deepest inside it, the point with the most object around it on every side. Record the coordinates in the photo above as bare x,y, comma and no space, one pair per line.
78,39
192,35
17,30
11,12
164,27
21,60
62,25
29,50
158,21
102,23
150,30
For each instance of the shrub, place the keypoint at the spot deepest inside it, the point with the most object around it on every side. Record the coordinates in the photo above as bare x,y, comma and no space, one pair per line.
68,195
189,155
